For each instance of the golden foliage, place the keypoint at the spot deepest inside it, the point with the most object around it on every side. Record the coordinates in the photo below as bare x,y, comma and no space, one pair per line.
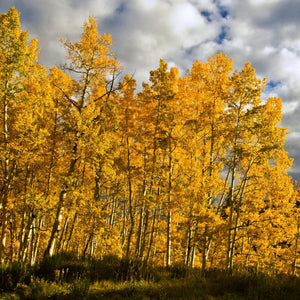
192,169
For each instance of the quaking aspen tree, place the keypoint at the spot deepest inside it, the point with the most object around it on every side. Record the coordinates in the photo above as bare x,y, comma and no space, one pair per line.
92,62
208,87
23,89
127,109
35,116
157,101
253,141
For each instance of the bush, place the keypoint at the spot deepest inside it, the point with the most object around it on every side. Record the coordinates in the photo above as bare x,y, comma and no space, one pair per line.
113,268
79,289
178,270
12,274
129,270
41,289
63,267
104,269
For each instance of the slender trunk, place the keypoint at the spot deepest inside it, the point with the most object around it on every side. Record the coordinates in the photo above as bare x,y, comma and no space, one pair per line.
26,216
4,209
139,233
152,229
143,225
62,234
31,242
6,177
56,226
188,246
124,224
157,231
144,233
193,256
89,240
67,244
39,222
206,247
52,155
92,247
61,203
294,267
169,216
12,231
113,212
222,198
229,254
168,256
130,201
234,229
230,241
25,238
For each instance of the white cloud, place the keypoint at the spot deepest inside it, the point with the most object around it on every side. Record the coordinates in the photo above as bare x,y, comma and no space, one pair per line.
289,108
263,3
148,5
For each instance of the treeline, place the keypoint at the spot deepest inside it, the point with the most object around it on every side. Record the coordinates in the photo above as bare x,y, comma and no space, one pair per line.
191,169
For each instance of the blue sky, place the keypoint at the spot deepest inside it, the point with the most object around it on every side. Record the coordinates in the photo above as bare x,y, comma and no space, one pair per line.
264,32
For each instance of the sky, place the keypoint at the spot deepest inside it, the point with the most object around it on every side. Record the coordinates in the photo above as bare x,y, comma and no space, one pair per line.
263,32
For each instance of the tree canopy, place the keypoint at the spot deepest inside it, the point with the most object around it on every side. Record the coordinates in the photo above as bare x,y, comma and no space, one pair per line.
190,169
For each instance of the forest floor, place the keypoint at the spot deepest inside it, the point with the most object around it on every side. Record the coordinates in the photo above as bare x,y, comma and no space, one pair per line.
59,279
208,288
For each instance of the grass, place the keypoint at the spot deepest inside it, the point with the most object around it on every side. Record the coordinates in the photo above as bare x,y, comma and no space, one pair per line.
112,278
167,289
209,286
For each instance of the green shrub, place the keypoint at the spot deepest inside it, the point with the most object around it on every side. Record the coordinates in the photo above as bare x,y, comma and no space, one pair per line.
12,274
178,270
103,269
129,270
111,267
41,289
63,267
79,289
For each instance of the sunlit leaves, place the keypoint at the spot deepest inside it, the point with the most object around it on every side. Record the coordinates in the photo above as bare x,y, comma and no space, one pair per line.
191,168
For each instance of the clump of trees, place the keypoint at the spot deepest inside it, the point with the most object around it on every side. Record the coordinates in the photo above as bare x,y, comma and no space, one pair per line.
191,169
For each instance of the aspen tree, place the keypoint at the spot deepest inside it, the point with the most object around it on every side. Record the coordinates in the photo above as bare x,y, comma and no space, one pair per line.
22,91
157,101
126,106
253,139
206,92
92,62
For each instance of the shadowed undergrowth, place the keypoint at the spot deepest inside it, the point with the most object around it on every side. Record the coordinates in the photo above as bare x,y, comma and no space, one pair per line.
67,277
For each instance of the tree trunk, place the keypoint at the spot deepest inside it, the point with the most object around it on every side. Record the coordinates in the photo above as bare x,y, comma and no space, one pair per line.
152,229
206,247
229,254
294,267
67,244
168,256
130,201
232,234
144,233
139,232
169,216
188,249
61,203
3,208
62,234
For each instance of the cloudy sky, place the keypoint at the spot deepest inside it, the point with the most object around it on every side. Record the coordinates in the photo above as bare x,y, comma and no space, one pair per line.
264,32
